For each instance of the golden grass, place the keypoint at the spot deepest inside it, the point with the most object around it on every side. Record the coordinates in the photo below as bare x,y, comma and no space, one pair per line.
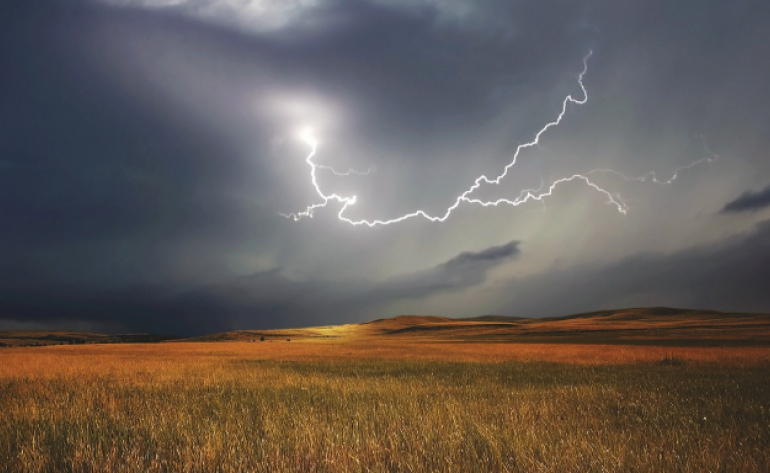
378,405
67,361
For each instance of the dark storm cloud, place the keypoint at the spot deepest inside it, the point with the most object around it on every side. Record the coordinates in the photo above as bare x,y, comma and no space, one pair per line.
465,270
98,155
105,176
142,170
138,309
749,201
262,300
729,275
81,160
405,77
102,167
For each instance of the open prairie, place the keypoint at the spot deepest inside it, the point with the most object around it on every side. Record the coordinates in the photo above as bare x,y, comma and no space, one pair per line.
649,391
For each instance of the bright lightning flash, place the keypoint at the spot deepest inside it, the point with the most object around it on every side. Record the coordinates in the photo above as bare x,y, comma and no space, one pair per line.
525,196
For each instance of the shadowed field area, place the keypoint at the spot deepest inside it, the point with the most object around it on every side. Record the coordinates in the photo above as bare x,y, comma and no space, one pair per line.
387,396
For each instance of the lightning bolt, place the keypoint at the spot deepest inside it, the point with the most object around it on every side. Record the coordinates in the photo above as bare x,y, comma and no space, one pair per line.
349,172
525,196
652,176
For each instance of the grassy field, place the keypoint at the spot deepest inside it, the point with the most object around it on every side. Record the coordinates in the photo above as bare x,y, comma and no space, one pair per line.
400,405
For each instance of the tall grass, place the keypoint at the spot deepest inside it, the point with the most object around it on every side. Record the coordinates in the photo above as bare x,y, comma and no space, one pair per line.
233,414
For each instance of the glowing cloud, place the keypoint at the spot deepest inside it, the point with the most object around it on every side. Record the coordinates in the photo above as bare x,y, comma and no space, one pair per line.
465,197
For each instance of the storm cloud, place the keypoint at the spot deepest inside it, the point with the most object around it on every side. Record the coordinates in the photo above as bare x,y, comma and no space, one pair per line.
149,148
749,201
464,270
268,296
729,275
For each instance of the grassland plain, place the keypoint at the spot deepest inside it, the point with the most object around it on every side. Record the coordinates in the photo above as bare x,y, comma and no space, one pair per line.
412,405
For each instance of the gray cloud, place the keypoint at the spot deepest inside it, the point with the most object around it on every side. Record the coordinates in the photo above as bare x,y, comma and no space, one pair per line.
138,132
135,309
749,201
464,270
728,275
266,299
147,149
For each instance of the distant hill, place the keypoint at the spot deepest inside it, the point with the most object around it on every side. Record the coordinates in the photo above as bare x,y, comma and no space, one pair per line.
647,326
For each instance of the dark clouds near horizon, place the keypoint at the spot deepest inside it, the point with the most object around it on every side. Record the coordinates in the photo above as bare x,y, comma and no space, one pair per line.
269,294
730,275
147,149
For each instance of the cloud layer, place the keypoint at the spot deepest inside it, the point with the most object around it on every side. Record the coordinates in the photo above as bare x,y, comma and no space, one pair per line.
729,275
269,296
147,150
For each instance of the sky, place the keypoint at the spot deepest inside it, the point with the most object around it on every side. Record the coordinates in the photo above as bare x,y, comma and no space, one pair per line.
153,152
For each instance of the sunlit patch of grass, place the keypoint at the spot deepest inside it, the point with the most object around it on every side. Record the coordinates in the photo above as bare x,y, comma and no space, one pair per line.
204,409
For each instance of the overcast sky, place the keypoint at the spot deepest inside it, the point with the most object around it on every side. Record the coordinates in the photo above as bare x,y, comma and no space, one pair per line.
149,149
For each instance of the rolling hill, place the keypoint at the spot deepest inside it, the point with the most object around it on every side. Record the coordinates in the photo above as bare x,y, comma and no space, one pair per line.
634,326
638,326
